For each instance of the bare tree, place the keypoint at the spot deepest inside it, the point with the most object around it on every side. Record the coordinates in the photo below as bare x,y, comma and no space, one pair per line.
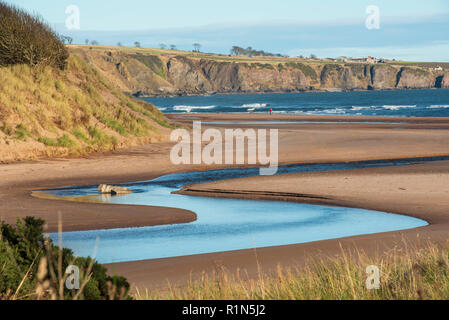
67,39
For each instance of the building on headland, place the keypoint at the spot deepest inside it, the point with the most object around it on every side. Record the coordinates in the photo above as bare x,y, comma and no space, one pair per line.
369,60
373,60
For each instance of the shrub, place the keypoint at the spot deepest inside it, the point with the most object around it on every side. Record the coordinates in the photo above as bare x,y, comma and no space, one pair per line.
28,260
78,132
66,142
22,132
101,140
27,39
10,275
48,141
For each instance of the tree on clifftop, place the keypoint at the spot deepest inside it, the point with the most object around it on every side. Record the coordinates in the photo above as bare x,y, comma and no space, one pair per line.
67,39
196,47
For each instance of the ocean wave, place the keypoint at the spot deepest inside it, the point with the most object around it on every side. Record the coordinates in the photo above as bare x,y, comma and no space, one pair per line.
190,108
280,112
395,108
253,105
335,110
359,108
438,107
318,112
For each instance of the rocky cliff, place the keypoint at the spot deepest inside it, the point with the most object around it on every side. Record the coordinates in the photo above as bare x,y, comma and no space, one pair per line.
151,73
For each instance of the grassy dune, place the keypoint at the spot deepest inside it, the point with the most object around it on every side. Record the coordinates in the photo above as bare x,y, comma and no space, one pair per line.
411,275
51,112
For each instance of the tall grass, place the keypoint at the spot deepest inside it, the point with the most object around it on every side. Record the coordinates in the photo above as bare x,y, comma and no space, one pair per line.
412,275
58,110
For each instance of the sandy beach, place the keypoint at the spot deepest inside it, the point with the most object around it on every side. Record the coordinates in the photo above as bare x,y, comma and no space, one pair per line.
419,190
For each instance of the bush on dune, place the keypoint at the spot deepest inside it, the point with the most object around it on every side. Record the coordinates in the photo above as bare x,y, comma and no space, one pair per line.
31,267
26,39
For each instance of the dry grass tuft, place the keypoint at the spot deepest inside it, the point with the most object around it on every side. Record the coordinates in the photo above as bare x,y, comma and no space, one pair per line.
412,275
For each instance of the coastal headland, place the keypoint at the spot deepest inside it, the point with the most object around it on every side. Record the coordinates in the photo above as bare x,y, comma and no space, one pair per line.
158,72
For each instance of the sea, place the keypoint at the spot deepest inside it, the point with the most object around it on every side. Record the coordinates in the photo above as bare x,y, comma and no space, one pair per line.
395,103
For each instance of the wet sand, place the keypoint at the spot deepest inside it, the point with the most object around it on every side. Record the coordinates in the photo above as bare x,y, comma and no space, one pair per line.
418,190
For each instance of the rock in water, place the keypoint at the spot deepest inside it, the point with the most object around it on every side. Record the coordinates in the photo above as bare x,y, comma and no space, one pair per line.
103,188
119,190
114,190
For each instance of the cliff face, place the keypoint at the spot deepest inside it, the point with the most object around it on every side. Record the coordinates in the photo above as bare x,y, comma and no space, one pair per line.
147,74
443,81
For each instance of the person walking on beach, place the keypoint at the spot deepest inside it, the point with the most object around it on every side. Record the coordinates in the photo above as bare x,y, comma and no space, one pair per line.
271,111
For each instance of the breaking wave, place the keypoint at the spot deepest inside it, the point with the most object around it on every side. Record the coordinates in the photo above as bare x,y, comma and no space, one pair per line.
395,108
359,108
190,108
438,107
253,106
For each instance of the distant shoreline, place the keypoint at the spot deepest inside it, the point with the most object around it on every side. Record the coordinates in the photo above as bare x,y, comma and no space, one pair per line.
281,92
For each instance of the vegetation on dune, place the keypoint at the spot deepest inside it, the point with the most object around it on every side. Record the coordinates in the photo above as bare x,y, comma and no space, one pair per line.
26,39
418,274
75,110
56,104
31,267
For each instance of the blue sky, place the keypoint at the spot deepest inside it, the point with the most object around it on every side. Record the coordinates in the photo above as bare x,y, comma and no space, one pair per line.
411,30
